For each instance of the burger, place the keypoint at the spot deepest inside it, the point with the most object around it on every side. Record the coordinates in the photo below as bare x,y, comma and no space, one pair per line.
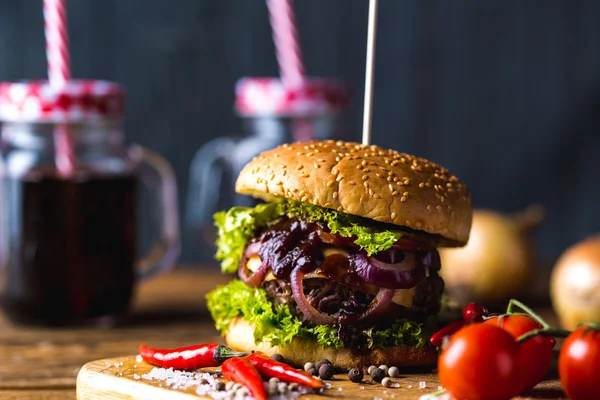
340,262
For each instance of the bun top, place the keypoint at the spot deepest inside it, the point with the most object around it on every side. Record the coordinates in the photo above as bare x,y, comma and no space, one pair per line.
367,181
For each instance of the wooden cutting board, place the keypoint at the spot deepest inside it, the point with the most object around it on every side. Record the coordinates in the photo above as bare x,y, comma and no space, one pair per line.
123,378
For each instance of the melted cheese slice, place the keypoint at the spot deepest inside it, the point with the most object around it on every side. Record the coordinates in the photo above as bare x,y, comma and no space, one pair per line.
402,297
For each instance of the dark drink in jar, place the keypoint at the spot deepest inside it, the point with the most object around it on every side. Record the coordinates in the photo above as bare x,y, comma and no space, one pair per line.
69,241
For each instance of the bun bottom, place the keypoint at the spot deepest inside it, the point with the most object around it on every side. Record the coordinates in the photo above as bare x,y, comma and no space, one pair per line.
240,337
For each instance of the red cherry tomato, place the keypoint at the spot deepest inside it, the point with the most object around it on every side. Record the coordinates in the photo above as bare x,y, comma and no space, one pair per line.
536,353
578,364
480,362
474,312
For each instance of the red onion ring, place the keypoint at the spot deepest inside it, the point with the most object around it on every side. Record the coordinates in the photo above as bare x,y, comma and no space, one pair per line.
403,275
252,249
307,309
252,279
379,304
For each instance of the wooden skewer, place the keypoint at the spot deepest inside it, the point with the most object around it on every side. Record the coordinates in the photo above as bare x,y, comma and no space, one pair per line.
370,64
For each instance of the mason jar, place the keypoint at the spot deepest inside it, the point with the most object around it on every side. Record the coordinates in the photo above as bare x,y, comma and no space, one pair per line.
271,114
70,204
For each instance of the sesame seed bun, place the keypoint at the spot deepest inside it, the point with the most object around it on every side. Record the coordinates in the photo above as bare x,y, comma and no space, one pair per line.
367,181
240,337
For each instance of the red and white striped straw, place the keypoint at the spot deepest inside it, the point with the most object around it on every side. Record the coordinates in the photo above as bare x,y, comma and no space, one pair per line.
285,37
289,55
59,72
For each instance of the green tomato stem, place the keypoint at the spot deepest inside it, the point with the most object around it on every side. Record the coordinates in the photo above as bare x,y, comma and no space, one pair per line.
591,325
516,303
554,332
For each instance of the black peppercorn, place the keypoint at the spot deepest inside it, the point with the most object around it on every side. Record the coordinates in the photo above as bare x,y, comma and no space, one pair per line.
356,375
278,357
326,371
321,362
313,371
378,374
219,385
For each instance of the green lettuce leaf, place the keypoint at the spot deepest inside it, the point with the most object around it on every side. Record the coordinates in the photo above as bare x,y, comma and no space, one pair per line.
238,225
276,325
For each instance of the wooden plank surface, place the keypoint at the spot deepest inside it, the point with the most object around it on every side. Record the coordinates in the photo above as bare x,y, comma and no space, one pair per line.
123,378
168,311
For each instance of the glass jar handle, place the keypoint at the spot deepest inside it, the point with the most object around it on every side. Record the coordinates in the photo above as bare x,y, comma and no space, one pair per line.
164,251
205,180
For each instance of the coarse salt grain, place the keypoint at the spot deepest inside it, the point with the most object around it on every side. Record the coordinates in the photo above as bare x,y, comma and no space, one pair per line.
139,358
178,379
409,386
136,376
422,385
440,387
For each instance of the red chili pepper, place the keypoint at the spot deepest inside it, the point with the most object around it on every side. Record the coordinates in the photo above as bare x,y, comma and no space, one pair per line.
242,371
437,339
191,357
275,369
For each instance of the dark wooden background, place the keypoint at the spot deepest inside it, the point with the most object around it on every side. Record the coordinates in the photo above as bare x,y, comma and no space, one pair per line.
505,93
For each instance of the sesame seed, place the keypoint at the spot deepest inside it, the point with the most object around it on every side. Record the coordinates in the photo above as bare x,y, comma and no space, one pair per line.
391,187
393,215
422,185
365,177
330,183
316,165
366,184
439,208
405,194
351,183
340,208
335,194
304,199
395,193
339,178
370,192
299,167
403,199
309,154
428,208
377,196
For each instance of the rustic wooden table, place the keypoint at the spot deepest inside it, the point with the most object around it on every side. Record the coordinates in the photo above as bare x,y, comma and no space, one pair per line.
168,311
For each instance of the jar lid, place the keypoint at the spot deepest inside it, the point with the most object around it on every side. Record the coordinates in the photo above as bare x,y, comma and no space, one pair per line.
312,97
76,101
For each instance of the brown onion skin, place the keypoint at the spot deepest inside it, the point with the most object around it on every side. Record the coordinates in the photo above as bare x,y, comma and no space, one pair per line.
494,266
575,284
